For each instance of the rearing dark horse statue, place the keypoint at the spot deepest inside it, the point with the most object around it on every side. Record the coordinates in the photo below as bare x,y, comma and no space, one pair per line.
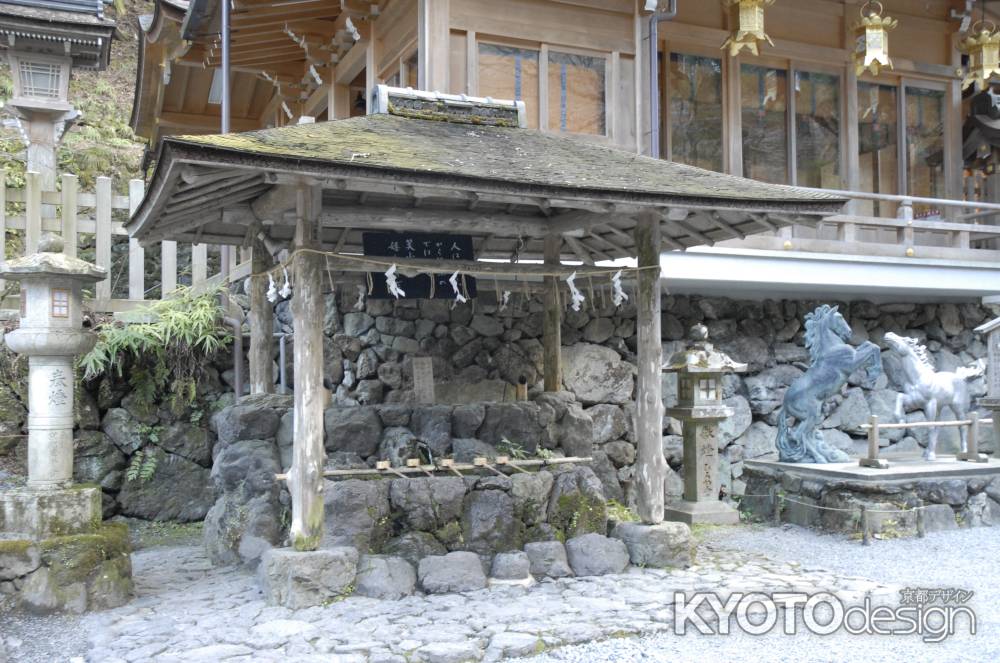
833,360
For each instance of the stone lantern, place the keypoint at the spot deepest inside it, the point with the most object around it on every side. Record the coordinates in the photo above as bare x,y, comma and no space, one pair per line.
51,565
44,43
51,333
700,408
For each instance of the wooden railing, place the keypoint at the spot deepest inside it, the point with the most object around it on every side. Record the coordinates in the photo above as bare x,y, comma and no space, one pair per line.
967,237
971,453
71,212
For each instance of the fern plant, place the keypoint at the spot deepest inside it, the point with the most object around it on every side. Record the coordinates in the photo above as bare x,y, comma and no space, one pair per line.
142,467
169,352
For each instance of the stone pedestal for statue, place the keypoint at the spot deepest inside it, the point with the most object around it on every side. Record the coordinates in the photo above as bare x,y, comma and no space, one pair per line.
992,399
700,409
55,554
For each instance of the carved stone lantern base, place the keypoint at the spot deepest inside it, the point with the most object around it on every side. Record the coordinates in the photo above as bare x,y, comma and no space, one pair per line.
708,513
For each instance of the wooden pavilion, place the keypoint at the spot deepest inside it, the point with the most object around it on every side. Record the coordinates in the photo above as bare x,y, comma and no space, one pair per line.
448,164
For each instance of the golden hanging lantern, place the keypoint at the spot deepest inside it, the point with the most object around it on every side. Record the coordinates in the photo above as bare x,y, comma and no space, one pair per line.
747,21
983,48
872,35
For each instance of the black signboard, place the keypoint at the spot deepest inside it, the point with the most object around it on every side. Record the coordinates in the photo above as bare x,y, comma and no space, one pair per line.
423,246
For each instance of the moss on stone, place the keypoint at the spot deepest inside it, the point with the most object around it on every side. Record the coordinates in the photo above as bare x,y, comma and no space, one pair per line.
14,546
303,543
73,558
577,513
450,534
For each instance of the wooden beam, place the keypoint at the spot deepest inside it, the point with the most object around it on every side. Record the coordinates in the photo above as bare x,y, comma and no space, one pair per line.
579,220
651,466
551,328
723,225
450,221
579,249
305,478
357,263
272,205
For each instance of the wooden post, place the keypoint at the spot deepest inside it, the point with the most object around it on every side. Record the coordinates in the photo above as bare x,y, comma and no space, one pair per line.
136,254
261,324
69,183
651,466
305,480
102,235
168,267
551,330
33,211
432,44
865,532
971,453
199,263
873,460
775,505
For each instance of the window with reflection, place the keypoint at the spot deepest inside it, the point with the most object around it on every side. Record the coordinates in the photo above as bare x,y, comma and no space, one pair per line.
696,111
817,130
925,146
577,93
507,72
764,101
878,131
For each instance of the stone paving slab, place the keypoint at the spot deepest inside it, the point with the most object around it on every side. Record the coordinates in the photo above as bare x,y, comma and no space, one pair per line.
186,610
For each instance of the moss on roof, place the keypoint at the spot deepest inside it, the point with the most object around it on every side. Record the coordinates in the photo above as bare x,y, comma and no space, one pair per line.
526,156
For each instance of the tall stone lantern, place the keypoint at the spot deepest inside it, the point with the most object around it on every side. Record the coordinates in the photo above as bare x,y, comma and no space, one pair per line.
51,333
700,409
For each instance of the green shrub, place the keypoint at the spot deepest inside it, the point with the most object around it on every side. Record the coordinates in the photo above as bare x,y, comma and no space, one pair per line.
169,352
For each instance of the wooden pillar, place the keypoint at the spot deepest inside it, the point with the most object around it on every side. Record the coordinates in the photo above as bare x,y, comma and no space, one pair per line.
551,332
651,466
305,478
433,39
261,324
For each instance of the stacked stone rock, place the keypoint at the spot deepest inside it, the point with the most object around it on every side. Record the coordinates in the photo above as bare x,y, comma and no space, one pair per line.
302,580
413,517
479,353
387,538
834,505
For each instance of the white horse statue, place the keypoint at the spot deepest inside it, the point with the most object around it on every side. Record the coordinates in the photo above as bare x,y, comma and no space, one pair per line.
931,390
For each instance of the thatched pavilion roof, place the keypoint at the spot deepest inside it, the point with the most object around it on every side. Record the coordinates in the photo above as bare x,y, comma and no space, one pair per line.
418,169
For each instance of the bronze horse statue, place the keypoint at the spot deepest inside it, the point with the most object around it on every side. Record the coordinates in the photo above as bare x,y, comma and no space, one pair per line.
832,362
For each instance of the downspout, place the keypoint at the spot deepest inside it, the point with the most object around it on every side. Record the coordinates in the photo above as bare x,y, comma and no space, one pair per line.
654,72
237,325
224,8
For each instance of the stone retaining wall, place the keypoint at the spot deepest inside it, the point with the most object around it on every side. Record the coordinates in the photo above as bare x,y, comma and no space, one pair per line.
478,355
412,517
835,504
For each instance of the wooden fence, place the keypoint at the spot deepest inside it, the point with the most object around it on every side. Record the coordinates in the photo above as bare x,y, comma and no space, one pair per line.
71,212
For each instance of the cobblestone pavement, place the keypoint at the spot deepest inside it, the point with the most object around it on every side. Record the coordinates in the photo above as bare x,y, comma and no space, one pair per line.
187,610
